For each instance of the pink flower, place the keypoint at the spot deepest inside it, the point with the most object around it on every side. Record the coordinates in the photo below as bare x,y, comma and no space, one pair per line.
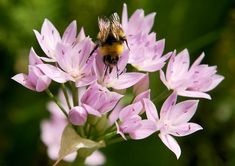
173,121
137,23
117,79
191,82
130,120
72,64
50,37
145,52
114,115
204,77
98,100
36,80
131,115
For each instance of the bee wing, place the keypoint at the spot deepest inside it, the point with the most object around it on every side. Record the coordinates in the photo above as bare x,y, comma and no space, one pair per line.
116,27
104,26
114,18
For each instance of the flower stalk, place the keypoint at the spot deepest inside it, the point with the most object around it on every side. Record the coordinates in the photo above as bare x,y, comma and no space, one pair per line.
75,94
162,96
63,87
50,94
79,161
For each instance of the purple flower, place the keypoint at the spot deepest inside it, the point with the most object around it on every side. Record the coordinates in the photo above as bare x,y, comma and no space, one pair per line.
173,121
72,64
36,80
98,100
145,52
191,82
117,79
50,37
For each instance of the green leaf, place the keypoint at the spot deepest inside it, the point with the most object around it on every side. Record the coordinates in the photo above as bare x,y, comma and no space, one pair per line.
72,142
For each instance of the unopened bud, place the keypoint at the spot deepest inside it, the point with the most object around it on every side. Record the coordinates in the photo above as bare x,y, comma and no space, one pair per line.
78,116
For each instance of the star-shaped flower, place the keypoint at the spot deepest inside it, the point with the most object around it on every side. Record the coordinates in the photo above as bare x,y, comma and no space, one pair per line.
72,64
192,81
146,54
50,37
173,121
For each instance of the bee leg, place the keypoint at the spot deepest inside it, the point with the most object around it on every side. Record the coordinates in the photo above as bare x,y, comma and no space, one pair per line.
121,72
110,69
105,70
127,44
117,71
95,48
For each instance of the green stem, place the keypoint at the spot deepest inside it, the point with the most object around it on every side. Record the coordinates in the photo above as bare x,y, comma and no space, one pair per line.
87,129
162,96
75,95
66,96
115,140
79,161
110,129
108,136
92,133
56,101
81,131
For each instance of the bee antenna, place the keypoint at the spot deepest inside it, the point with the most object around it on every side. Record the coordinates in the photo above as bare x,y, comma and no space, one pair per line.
95,48
117,71
110,69
105,70
127,44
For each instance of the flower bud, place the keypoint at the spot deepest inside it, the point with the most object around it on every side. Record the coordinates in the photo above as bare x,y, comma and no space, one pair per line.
78,116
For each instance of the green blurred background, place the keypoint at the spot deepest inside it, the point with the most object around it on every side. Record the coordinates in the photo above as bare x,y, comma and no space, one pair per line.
202,25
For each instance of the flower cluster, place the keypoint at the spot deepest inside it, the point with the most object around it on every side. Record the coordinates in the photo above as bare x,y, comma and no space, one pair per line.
93,101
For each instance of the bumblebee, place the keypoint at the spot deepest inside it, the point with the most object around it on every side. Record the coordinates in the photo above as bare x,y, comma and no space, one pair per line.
110,41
